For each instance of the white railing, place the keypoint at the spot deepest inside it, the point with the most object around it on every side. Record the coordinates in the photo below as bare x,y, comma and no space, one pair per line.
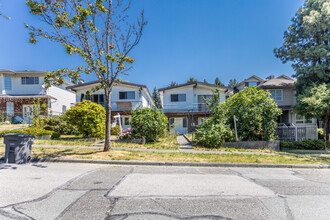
183,107
297,133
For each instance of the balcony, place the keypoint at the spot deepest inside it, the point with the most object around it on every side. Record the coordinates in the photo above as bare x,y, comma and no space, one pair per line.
195,107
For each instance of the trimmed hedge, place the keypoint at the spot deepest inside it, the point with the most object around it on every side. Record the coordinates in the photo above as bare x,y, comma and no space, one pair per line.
304,145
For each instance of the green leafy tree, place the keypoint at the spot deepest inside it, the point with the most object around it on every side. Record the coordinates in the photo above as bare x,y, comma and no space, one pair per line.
256,112
232,83
306,44
173,84
156,98
100,32
150,123
88,117
218,82
315,103
192,79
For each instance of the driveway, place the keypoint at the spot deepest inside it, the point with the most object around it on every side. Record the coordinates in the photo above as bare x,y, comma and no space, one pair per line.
80,191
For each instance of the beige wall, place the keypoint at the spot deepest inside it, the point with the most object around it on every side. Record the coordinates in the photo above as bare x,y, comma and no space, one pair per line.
289,97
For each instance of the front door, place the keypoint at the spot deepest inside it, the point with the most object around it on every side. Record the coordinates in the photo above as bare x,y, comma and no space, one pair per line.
28,113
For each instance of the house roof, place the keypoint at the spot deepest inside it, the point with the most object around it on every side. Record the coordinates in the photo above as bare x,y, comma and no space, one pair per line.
254,76
23,72
279,82
74,87
197,83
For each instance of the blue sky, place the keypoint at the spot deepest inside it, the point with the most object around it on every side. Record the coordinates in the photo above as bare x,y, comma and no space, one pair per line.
184,38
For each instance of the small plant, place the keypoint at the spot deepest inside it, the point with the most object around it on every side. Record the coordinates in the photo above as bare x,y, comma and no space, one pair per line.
115,130
55,135
126,135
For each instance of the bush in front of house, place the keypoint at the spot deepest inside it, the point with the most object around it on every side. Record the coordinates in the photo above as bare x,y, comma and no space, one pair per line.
58,124
88,118
320,133
29,130
256,112
149,123
115,130
213,133
304,145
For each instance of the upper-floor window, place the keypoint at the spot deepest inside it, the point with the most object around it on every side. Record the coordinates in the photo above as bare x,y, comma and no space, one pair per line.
276,94
63,108
178,97
249,84
8,83
30,80
127,95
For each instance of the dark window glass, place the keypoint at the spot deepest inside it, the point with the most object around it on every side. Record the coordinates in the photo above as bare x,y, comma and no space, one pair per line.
126,95
171,121
178,97
184,122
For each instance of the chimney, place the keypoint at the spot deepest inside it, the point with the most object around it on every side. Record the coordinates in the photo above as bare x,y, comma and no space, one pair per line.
81,81
270,77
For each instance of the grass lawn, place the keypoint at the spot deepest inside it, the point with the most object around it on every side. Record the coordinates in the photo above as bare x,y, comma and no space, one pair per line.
64,142
75,153
166,143
4,127
307,151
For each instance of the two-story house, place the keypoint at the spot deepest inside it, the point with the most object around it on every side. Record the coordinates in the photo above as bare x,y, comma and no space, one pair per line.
282,90
125,97
21,90
184,104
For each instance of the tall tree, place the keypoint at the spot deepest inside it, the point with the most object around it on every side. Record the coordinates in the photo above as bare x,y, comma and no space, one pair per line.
156,98
315,103
192,79
232,83
306,44
218,82
98,31
173,84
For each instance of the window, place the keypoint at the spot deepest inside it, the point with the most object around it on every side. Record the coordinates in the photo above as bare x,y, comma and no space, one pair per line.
178,97
98,98
276,94
10,109
300,119
126,121
171,121
126,95
184,122
63,108
7,82
30,80
249,84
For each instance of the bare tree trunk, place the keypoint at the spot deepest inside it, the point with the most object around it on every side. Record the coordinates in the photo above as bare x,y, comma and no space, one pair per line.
107,142
326,118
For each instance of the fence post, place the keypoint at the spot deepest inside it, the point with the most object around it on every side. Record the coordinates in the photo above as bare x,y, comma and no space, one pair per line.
296,130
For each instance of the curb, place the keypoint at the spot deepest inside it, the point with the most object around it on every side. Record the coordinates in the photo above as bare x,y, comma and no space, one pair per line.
187,164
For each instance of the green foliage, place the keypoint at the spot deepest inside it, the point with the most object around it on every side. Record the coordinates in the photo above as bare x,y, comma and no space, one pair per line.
306,44
58,124
218,82
232,83
115,130
55,135
213,133
304,145
173,84
156,98
320,133
29,130
149,123
256,113
88,117
192,79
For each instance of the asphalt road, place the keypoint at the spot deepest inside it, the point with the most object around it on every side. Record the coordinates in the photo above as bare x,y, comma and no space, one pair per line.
82,191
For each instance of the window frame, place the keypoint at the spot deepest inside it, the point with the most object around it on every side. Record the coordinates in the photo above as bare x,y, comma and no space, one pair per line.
126,97
281,90
24,80
8,79
303,120
178,97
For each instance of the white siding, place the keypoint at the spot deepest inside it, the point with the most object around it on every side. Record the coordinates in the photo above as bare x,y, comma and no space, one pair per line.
19,89
60,98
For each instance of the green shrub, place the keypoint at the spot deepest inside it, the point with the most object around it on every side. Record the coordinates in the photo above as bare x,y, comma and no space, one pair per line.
320,133
213,133
88,117
30,130
304,145
55,135
149,123
115,130
58,124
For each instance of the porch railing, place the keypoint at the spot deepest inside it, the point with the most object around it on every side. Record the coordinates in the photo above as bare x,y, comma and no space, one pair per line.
297,133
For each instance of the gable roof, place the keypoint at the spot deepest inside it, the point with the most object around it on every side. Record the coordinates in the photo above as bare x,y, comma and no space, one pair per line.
254,76
193,84
279,82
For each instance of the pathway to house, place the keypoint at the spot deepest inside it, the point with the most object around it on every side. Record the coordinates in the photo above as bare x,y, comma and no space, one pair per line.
184,143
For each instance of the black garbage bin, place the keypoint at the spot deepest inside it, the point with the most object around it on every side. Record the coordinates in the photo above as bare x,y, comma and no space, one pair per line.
18,147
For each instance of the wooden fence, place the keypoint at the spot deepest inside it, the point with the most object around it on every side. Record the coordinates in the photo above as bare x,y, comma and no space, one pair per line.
297,133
